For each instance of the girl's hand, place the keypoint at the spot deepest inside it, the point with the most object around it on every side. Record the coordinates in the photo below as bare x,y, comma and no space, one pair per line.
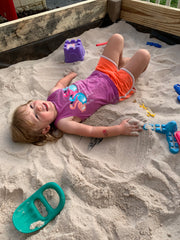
130,128
63,82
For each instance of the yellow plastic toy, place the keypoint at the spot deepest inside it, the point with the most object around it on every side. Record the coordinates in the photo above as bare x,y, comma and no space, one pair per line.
149,113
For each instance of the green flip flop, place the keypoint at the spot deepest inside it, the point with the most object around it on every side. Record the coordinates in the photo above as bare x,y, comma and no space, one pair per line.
27,218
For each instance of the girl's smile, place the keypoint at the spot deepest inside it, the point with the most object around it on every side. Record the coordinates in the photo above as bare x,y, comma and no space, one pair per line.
40,113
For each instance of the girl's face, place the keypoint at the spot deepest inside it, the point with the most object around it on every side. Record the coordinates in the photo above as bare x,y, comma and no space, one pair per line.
41,114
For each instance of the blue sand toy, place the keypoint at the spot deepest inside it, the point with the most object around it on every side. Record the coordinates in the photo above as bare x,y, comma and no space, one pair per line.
73,51
169,129
27,218
155,127
154,44
177,89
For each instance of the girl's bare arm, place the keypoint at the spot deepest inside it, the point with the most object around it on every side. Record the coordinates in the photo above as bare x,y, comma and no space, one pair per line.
124,128
63,82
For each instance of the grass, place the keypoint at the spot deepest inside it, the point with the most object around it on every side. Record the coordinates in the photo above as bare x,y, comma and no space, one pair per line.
174,3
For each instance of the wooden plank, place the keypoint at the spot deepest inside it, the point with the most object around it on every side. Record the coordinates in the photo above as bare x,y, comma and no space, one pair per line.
40,26
113,9
151,15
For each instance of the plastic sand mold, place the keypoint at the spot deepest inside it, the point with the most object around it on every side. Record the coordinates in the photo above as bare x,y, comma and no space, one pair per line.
169,130
27,218
73,51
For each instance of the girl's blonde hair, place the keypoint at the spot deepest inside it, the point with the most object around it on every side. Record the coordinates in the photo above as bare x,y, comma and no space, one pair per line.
23,131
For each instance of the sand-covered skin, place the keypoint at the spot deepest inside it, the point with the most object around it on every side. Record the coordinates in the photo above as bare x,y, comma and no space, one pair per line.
124,188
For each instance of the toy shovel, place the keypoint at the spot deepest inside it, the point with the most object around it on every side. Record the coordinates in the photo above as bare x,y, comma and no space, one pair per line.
27,218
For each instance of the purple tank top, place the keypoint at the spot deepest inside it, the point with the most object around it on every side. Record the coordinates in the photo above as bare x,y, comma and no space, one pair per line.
84,97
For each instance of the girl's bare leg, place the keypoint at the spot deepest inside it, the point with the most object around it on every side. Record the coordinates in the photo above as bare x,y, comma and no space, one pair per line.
114,50
136,64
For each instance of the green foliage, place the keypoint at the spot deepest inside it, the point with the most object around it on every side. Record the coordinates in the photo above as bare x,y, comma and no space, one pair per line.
174,3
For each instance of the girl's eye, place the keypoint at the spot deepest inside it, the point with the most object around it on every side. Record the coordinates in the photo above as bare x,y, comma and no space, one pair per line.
31,106
36,116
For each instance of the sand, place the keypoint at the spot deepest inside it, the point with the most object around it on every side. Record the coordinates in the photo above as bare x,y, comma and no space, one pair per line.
125,188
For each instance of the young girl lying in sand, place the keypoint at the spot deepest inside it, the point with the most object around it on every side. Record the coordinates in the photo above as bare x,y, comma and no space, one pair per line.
68,106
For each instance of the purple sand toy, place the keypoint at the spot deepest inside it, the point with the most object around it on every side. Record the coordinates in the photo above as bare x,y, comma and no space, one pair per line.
73,51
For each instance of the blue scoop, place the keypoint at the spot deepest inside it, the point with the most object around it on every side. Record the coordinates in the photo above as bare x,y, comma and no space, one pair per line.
27,218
